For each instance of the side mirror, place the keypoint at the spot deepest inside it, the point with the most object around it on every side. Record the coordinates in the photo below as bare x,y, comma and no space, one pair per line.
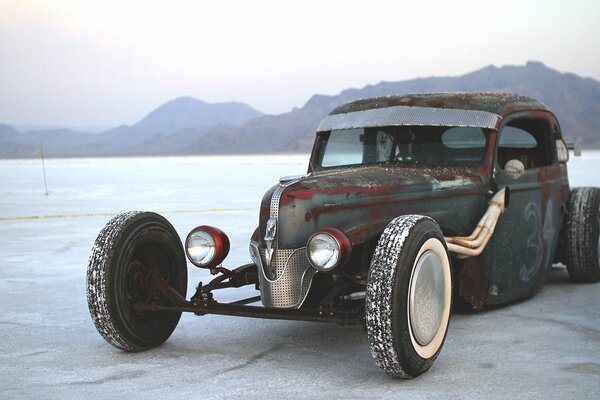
514,169
576,147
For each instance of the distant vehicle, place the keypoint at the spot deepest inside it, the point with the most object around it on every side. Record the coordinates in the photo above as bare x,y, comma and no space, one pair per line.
409,201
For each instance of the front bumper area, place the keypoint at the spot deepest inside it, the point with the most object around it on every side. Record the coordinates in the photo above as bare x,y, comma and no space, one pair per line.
203,302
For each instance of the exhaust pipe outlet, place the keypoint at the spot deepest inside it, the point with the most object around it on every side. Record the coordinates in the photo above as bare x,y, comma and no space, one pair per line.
473,245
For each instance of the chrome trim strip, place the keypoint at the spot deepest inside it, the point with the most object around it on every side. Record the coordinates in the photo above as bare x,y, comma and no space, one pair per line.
309,274
272,224
285,275
287,180
404,115
255,254
274,211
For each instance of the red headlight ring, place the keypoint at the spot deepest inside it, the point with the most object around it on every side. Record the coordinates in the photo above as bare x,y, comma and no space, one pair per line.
221,245
343,243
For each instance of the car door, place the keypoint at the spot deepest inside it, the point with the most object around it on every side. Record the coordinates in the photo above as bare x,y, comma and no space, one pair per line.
526,234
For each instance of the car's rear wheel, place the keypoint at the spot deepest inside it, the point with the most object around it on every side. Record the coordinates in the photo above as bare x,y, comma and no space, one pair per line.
409,296
582,234
133,252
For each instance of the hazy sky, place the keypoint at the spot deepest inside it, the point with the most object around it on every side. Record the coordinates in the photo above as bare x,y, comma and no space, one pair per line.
75,62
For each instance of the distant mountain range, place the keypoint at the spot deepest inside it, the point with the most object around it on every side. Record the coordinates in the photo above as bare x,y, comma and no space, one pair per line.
189,126
169,129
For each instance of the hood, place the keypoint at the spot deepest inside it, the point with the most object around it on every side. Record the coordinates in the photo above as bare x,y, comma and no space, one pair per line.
352,197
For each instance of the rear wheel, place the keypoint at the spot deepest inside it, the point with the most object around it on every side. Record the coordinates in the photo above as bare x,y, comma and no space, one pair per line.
582,233
133,250
409,295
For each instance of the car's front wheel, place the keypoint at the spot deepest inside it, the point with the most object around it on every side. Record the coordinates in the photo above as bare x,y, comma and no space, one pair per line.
133,250
409,296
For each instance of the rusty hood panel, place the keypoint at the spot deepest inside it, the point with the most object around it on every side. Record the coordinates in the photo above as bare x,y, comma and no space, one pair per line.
354,198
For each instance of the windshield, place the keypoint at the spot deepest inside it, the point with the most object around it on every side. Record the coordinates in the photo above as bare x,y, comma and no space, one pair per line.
433,145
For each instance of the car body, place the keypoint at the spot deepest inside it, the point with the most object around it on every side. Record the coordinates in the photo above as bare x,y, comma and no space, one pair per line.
408,201
361,200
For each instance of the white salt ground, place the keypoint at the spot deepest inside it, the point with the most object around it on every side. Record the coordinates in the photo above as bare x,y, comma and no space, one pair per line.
544,347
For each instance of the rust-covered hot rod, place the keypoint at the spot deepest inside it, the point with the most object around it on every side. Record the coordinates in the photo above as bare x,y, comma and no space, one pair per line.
409,201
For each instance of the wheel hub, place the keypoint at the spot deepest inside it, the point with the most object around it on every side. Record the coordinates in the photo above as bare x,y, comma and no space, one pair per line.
426,302
143,282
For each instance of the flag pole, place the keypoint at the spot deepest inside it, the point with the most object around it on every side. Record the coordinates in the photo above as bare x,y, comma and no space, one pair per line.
44,168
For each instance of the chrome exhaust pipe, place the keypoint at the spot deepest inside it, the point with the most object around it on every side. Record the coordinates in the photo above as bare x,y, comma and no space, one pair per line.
473,245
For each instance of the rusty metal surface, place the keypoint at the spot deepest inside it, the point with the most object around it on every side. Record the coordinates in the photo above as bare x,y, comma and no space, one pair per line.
524,245
474,244
496,103
473,278
369,197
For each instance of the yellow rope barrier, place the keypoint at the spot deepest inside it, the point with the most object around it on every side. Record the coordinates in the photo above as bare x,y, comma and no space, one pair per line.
59,216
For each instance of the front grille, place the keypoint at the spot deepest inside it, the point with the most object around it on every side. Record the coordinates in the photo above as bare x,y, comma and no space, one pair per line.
285,283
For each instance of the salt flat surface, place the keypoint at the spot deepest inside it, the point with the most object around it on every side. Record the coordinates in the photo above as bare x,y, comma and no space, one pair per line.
545,347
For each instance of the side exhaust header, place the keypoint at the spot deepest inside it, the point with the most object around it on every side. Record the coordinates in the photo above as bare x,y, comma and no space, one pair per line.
473,245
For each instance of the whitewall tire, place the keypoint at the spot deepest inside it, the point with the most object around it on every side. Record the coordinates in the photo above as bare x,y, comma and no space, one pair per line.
409,296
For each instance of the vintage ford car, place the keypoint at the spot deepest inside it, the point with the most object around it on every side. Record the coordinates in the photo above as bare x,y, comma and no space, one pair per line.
409,202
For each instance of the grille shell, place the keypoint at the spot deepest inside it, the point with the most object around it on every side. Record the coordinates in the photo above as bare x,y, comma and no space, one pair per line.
287,281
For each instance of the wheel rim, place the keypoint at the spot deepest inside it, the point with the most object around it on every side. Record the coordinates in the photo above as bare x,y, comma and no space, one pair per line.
430,296
427,297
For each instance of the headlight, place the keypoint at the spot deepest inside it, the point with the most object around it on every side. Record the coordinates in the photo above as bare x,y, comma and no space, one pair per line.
328,250
206,246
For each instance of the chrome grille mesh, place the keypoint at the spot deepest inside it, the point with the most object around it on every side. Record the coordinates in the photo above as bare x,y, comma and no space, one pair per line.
286,283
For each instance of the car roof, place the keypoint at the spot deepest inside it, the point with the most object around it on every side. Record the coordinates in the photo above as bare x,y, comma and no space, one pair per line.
497,103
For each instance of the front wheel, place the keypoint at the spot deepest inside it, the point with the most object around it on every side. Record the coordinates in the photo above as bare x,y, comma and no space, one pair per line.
409,296
132,250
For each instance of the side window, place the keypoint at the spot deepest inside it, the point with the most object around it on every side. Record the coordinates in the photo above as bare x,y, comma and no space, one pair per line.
527,140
